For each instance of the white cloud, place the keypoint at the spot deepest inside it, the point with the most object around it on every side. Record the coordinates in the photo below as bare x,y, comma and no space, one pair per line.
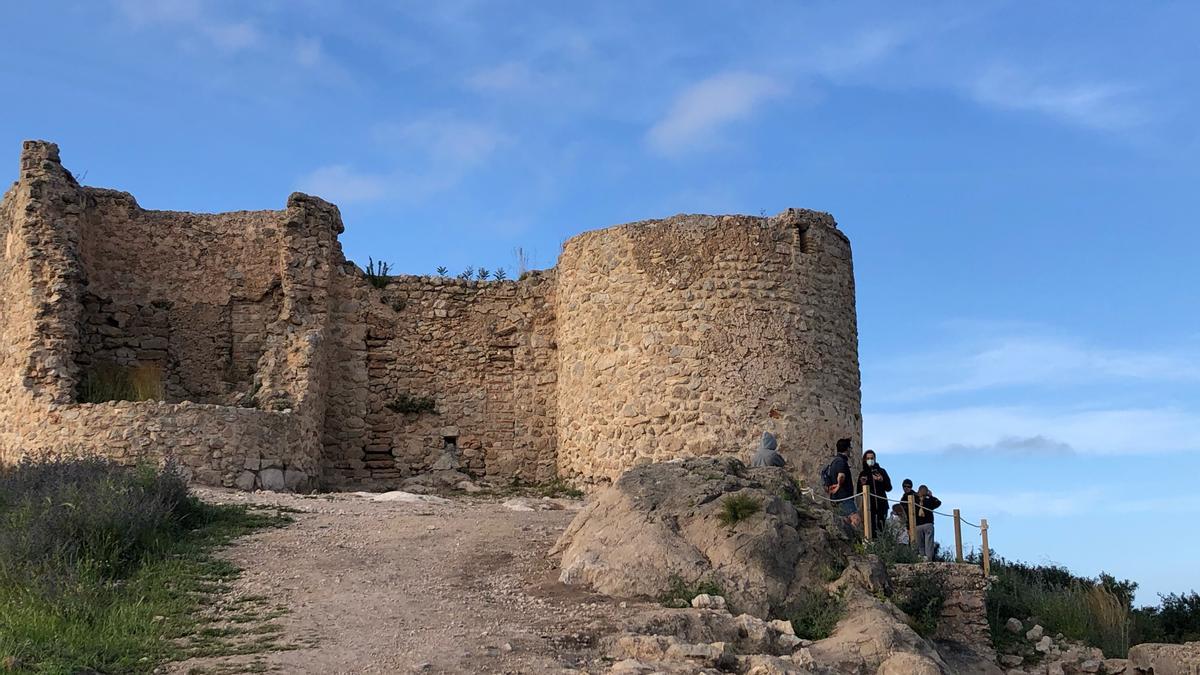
1099,105
193,16
505,78
1091,501
1029,359
340,184
447,140
1099,431
702,109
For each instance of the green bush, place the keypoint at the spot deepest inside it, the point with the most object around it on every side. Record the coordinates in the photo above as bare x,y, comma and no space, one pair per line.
679,592
922,601
816,614
738,507
1097,612
887,546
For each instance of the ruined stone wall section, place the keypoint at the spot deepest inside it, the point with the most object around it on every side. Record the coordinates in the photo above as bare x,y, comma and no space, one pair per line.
963,620
482,351
192,293
692,335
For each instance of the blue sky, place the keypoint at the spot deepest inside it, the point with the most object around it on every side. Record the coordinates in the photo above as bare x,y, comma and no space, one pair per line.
1018,180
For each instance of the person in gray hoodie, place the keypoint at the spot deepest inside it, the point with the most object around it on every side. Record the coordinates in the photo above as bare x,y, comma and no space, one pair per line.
767,455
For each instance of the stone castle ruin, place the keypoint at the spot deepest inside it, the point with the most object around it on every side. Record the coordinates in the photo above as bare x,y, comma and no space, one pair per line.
279,365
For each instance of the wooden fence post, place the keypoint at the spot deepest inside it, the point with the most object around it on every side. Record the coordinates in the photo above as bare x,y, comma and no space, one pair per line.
912,522
958,536
987,554
866,512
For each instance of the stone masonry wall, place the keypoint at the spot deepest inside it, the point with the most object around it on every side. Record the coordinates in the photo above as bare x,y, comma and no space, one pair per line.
483,351
649,341
192,293
693,335
963,620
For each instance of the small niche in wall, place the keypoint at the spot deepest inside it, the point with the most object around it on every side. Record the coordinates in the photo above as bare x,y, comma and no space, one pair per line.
450,443
802,238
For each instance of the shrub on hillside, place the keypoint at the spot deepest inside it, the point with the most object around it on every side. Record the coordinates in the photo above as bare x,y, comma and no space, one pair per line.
922,601
816,615
66,523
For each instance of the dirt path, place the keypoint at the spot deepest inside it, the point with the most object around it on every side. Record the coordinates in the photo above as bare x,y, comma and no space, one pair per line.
386,587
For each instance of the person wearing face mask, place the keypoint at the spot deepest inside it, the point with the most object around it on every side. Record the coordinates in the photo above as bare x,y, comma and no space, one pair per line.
876,478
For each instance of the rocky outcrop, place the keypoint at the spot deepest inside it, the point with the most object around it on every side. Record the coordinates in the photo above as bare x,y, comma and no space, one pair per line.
874,636
1162,659
661,524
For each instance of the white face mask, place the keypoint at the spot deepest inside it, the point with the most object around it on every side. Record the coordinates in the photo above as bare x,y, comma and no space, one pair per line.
870,462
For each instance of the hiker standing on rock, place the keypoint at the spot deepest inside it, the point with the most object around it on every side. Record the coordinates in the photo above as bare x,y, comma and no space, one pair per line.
839,482
926,503
877,479
767,454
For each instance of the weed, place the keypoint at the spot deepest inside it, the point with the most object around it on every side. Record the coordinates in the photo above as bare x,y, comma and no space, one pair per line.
378,273
110,382
738,507
887,546
467,274
922,601
679,593
558,487
816,614
500,274
483,274
442,270
406,404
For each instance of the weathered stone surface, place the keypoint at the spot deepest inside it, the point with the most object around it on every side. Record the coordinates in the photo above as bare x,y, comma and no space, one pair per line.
272,479
649,341
1163,659
661,521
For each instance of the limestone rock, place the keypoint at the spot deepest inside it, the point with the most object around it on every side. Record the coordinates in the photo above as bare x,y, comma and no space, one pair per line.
1163,659
706,601
272,479
660,522
871,634
1116,666
1013,625
1034,634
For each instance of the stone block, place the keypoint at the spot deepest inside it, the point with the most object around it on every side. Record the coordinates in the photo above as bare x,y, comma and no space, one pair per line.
272,479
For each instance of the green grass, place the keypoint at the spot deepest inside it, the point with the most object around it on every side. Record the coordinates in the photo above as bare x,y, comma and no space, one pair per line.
109,382
738,507
80,595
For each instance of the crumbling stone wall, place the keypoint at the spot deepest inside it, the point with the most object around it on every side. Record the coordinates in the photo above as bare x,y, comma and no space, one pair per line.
963,622
649,341
482,351
692,335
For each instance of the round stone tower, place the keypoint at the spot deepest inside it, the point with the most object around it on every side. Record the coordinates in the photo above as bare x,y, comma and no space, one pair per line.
693,335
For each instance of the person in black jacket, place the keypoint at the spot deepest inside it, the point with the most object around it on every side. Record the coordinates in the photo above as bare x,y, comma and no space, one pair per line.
877,479
926,503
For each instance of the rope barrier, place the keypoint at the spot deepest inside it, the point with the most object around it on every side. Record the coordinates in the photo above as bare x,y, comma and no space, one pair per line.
812,493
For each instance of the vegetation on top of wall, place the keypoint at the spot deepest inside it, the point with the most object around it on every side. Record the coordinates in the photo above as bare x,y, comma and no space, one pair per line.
442,270
378,273
107,568
406,403
887,546
476,274
110,382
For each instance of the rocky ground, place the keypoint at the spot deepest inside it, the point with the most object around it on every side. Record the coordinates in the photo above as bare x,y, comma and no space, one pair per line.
456,586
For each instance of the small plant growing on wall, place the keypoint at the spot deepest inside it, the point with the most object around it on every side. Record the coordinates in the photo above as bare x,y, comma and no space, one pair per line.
406,404
467,273
483,273
501,275
378,273
442,270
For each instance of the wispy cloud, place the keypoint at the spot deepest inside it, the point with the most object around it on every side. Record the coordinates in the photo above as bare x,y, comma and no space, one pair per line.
1092,501
193,16
986,429
505,78
1104,106
437,152
341,184
1030,358
704,108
